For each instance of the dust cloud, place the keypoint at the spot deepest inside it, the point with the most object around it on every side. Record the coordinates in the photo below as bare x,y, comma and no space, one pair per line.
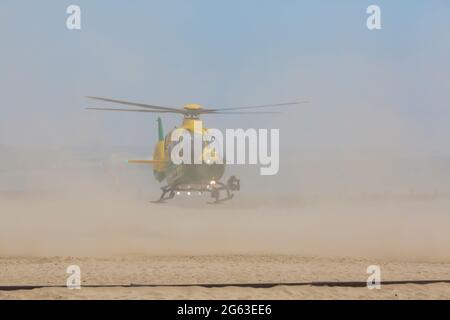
364,168
66,203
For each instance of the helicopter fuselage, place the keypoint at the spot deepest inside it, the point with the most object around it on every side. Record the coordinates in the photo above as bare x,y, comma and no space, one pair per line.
183,174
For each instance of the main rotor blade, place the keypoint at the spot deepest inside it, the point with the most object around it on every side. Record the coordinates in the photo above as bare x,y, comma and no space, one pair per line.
136,104
243,112
131,110
261,106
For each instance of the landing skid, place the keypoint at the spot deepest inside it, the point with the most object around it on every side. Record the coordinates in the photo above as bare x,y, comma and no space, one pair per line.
215,189
216,192
165,190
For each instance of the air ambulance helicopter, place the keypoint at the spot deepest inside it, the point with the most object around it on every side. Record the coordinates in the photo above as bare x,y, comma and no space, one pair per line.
189,178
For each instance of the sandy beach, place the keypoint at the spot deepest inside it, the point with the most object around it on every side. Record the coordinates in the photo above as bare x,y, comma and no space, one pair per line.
295,145
124,241
230,269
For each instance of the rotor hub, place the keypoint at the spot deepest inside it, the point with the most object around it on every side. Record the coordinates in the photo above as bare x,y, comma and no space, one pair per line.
192,107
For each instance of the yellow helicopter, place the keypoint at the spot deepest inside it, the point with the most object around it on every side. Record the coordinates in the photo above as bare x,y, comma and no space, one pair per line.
189,178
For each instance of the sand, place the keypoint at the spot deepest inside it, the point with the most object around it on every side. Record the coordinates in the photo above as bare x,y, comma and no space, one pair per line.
119,240
219,269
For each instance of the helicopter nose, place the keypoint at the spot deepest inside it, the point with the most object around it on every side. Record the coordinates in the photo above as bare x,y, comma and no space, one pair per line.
206,172
215,171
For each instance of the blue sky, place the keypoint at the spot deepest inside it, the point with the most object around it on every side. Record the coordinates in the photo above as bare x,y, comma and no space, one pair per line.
387,88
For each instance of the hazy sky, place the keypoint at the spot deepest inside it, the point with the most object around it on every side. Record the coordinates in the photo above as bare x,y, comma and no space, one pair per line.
373,89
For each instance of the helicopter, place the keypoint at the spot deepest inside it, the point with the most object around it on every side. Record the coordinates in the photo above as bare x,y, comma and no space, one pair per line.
193,177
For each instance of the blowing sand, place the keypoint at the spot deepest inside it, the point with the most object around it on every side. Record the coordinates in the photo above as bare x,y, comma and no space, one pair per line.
119,241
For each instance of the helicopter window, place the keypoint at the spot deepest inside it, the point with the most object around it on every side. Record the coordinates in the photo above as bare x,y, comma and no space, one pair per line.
167,141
